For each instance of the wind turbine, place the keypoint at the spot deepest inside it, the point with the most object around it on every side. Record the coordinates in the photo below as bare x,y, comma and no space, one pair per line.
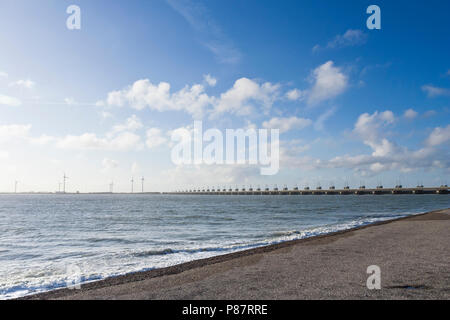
142,181
64,182
132,184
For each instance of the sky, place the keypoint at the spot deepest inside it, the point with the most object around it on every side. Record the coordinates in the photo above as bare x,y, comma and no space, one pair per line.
99,104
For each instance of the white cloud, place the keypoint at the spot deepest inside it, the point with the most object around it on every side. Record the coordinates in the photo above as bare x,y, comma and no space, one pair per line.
9,101
350,38
144,94
439,136
3,74
286,124
250,125
410,114
155,138
368,127
28,84
433,91
245,97
133,123
241,97
210,80
386,155
329,82
296,94
377,167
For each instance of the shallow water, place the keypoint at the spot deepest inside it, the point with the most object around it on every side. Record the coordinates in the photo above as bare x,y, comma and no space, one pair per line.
48,241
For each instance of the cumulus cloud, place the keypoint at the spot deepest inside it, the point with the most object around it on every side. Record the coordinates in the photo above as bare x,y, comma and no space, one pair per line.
9,101
241,97
286,124
144,94
210,80
133,123
368,127
433,91
410,114
244,97
439,136
386,155
296,95
329,82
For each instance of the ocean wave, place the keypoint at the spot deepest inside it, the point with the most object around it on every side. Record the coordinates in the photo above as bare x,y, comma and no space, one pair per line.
273,238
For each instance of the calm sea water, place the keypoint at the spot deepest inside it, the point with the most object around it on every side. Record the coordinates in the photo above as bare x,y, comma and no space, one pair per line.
47,240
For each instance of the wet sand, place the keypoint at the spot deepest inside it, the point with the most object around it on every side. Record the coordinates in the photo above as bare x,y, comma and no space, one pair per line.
412,253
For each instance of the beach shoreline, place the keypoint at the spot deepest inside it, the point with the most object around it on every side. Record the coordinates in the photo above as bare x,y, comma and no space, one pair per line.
254,268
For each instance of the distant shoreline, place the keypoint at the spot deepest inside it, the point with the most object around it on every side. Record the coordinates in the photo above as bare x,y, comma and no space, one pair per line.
75,193
411,252
319,191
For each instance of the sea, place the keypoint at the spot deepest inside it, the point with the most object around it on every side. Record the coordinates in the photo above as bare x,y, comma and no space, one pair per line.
51,241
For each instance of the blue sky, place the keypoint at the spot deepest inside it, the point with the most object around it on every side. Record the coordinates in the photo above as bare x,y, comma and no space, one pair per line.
357,105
